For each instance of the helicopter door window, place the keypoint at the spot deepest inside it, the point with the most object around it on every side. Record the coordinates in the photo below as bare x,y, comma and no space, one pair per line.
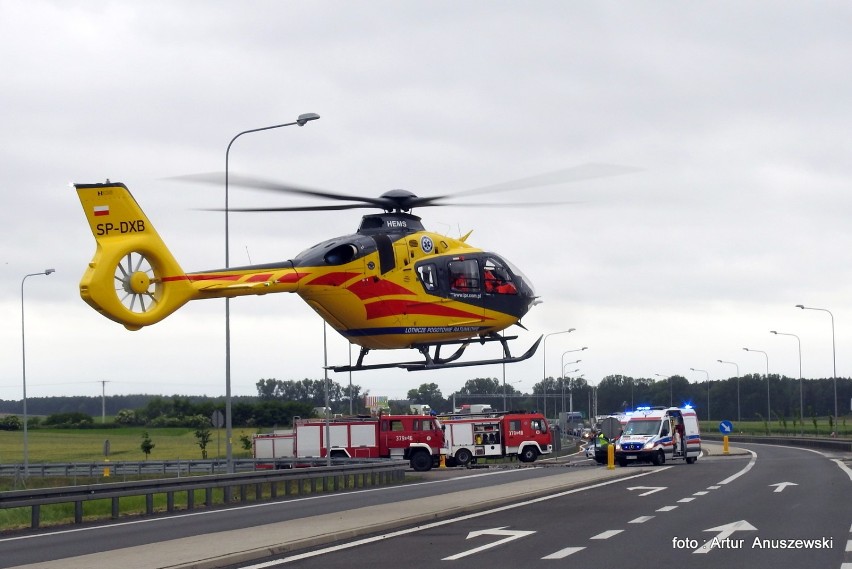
496,278
464,275
428,276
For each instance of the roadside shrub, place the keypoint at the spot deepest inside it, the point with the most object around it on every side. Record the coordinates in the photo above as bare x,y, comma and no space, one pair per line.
73,420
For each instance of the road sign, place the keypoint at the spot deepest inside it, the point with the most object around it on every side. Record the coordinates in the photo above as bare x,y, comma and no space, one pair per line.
218,419
726,427
611,427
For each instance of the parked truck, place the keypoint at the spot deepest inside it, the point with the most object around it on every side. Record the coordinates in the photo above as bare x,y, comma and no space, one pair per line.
418,439
470,437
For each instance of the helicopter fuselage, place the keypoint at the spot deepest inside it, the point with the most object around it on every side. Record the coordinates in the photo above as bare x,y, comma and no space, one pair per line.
393,284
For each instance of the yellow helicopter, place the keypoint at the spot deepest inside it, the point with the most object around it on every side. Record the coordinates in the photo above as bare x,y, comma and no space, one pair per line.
390,285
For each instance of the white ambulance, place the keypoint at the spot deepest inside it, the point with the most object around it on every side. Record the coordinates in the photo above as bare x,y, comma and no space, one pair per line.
657,434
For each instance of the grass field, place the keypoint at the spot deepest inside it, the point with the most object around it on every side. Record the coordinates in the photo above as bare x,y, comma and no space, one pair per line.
87,445
843,427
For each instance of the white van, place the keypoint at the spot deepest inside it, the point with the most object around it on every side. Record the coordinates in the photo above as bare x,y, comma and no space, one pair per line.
657,434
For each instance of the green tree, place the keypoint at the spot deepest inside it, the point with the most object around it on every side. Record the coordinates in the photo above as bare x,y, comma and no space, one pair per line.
10,423
127,417
427,394
203,436
482,386
147,446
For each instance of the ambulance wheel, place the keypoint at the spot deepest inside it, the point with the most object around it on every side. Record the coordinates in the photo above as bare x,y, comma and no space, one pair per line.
659,458
463,457
690,460
622,462
529,454
421,461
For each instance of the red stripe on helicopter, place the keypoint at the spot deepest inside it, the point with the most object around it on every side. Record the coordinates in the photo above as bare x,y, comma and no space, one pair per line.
385,308
291,277
215,277
259,277
368,288
333,279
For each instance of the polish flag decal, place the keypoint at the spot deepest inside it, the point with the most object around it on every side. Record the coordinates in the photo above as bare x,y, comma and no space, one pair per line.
101,210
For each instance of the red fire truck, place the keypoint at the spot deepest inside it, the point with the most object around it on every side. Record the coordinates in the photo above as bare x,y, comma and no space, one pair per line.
416,438
469,437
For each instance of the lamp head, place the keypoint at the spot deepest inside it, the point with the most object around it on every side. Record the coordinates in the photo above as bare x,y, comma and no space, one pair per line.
305,117
48,271
802,306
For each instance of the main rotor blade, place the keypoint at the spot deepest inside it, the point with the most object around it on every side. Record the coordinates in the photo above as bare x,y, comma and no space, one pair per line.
299,208
589,171
268,185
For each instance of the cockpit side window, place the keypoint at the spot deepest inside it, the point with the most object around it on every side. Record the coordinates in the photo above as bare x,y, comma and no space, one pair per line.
428,274
464,275
496,279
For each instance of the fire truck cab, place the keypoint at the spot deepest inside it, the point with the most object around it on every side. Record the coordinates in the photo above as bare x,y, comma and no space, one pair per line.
469,437
659,433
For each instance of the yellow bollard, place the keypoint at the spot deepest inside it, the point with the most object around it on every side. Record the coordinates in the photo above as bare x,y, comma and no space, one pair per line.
610,456
106,468
725,444
442,463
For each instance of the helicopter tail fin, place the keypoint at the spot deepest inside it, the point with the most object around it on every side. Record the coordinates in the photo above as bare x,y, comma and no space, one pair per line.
133,278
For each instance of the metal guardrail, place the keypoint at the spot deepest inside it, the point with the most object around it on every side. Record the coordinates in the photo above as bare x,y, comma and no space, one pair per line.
838,445
278,482
132,468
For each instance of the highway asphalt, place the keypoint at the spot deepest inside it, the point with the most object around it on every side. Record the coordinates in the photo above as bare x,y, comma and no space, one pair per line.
220,549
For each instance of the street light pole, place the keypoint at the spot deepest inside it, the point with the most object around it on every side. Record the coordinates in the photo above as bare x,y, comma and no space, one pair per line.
833,351
563,371
671,394
563,381
739,416
301,121
708,389
768,408
24,370
544,365
801,389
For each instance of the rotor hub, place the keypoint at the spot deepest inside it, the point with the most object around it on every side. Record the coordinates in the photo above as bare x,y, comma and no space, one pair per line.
137,283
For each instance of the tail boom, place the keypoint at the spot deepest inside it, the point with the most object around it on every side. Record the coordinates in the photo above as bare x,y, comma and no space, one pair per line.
135,280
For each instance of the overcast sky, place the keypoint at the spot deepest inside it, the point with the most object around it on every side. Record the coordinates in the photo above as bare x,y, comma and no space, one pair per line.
736,113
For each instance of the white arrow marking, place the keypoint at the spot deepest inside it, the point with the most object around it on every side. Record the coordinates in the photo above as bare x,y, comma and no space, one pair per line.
781,485
724,532
510,535
651,489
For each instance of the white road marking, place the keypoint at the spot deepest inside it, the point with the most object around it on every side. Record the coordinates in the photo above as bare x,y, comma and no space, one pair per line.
563,553
641,520
607,534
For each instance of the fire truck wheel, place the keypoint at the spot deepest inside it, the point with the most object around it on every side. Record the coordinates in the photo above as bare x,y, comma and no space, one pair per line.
529,454
463,457
421,461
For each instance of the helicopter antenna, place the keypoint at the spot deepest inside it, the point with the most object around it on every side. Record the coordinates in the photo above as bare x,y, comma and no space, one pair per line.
248,255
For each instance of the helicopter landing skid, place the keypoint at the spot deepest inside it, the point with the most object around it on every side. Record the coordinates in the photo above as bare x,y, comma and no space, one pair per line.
435,361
